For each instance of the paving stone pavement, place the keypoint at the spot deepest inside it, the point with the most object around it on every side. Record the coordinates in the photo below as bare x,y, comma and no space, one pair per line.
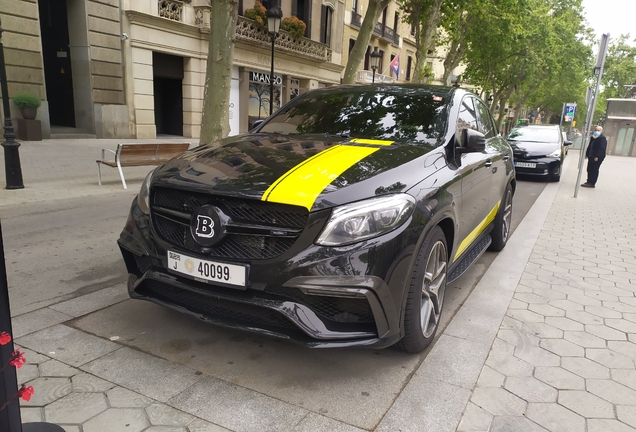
564,356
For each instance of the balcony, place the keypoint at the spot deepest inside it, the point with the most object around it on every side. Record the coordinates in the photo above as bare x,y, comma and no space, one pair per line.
356,19
386,33
366,77
248,31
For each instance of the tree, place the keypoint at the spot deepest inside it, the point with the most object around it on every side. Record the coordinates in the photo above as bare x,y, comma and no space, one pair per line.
620,68
374,9
215,123
424,16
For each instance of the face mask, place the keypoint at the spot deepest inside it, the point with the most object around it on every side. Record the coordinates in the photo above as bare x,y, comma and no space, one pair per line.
596,134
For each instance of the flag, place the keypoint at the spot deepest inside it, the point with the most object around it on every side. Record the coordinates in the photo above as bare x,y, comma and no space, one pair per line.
395,66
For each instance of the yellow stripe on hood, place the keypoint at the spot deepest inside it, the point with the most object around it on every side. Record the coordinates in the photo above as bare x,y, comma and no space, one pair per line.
302,184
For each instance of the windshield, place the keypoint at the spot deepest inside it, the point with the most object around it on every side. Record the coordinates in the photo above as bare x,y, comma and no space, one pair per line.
397,114
532,134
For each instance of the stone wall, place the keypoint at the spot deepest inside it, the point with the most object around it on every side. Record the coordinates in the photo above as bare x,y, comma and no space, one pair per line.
106,55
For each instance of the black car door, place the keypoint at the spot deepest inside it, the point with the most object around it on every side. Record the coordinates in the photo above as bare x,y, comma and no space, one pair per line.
476,181
496,148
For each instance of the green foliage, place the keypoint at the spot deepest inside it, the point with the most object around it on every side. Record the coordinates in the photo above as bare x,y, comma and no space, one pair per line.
620,68
294,25
27,100
257,14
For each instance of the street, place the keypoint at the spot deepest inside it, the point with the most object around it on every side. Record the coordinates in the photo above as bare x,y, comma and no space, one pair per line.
61,249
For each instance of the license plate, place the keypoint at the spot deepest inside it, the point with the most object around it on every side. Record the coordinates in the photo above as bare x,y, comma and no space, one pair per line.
525,165
231,274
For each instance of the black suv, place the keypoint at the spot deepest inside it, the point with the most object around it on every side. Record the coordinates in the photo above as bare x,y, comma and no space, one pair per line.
337,222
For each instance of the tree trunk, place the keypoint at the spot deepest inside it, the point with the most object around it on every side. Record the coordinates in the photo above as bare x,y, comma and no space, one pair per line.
456,51
429,27
215,123
374,9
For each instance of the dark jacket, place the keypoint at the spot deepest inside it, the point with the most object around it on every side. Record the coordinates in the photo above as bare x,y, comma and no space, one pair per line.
597,148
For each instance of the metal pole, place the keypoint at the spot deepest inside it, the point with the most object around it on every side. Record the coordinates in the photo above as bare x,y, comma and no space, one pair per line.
373,77
591,107
12,169
10,415
271,78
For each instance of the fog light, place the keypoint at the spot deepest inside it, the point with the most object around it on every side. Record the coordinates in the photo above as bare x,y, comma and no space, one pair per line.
545,171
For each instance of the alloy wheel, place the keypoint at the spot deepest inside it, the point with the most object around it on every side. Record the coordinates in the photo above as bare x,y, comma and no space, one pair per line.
433,289
507,216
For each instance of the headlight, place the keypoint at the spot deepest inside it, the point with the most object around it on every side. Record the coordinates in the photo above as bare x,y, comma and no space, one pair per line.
555,154
144,194
366,219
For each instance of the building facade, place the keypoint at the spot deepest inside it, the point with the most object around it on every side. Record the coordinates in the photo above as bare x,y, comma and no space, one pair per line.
136,68
620,127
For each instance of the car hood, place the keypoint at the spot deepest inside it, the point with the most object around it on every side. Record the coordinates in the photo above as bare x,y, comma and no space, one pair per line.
313,171
527,149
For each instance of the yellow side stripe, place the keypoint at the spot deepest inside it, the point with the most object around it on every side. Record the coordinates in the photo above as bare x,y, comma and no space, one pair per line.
470,238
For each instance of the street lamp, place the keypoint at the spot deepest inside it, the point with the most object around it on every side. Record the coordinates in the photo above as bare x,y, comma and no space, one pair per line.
12,168
375,62
274,15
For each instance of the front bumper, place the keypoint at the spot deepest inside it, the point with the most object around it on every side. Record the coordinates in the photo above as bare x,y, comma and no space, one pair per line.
316,296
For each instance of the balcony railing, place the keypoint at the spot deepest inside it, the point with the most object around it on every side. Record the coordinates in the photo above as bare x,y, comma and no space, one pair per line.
365,76
386,33
170,9
248,31
356,19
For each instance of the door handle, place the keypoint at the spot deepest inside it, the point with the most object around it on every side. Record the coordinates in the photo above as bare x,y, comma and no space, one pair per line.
506,157
488,163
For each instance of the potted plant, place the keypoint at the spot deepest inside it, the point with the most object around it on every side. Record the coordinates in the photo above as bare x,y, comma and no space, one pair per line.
28,104
294,25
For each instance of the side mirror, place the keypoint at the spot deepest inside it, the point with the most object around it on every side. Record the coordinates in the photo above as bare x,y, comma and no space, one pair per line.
471,141
568,143
257,123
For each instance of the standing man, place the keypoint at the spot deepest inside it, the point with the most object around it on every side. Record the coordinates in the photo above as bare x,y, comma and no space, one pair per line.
595,154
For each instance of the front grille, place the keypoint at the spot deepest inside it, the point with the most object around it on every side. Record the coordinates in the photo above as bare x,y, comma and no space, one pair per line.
240,210
172,210
336,309
213,307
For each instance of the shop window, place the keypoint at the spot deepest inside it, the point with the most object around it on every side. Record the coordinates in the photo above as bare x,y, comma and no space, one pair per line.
294,88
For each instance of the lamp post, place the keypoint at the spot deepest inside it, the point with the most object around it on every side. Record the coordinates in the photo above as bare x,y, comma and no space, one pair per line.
274,15
12,168
375,62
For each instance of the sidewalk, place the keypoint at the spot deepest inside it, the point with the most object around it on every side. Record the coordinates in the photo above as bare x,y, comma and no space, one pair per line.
544,342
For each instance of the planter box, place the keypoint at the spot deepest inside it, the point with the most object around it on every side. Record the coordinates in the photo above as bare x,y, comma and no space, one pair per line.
29,130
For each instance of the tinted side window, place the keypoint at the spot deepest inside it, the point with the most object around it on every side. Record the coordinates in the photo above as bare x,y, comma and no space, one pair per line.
486,125
467,118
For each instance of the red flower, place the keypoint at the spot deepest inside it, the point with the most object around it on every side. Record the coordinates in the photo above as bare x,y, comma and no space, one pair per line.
26,392
5,338
18,359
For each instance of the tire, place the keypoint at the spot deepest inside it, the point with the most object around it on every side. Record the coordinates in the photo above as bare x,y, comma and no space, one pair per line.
556,177
501,230
426,293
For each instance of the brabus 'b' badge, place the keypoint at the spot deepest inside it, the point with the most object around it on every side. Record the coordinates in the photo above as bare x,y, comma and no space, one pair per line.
205,226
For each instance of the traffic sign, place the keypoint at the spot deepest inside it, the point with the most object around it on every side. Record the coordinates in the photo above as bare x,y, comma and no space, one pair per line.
570,110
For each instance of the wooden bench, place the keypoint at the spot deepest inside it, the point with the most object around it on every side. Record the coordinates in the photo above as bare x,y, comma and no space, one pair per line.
129,155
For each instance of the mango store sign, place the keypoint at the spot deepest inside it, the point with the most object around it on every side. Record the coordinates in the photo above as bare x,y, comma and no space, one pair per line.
265,78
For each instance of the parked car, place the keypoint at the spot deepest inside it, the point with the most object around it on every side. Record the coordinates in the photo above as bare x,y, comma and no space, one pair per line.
337,222
539,150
